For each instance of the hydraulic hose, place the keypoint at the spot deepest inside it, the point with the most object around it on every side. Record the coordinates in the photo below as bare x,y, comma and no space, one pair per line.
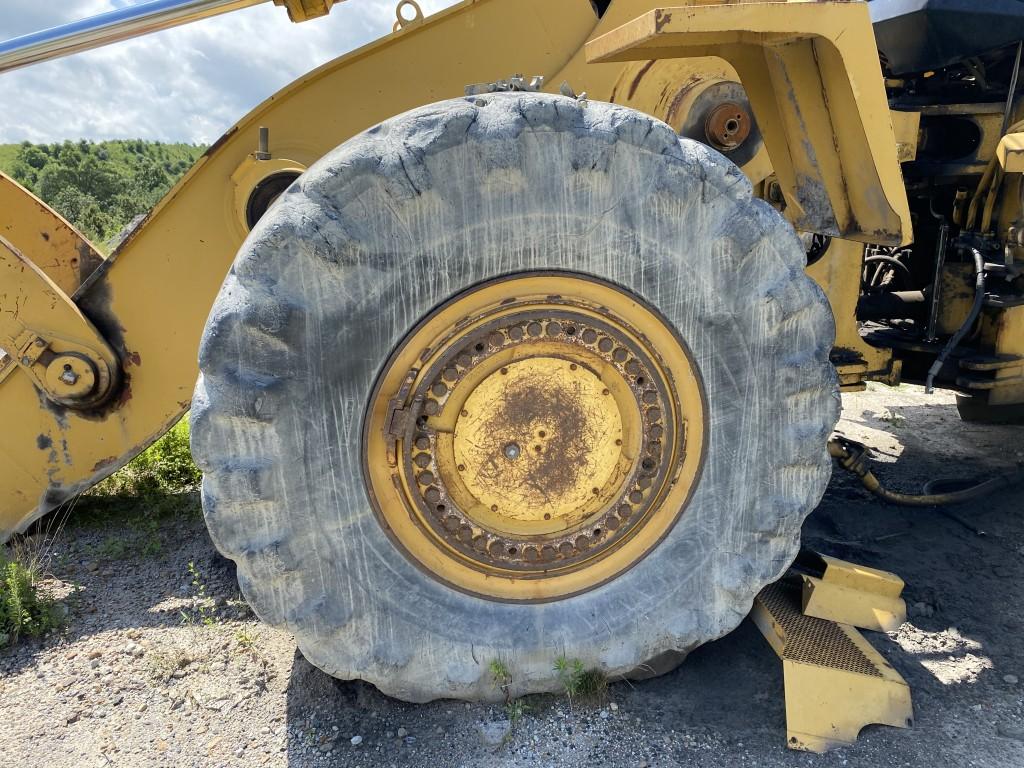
852,456
972,316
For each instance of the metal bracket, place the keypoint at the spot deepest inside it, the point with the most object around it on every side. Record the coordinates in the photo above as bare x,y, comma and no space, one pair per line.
46,334
812,75
399,417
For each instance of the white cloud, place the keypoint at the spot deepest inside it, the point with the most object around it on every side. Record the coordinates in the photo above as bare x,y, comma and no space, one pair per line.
185,84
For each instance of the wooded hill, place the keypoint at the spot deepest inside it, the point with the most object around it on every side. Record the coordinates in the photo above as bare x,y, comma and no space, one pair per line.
99,186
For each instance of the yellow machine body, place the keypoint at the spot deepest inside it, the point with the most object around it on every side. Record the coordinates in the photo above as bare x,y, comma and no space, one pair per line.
827,152
150,299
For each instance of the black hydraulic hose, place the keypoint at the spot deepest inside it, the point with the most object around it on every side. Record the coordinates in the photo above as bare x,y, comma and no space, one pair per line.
852,457
941,499
972,316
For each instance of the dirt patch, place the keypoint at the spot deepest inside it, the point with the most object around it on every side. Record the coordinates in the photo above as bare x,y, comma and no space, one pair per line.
163,665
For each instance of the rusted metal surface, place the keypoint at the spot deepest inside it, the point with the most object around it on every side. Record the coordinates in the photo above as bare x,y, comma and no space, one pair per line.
49,338
728,125
572,469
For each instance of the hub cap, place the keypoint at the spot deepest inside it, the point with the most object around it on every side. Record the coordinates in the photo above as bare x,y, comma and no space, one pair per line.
523,445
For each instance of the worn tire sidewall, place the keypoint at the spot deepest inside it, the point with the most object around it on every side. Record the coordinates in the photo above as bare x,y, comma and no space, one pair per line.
655,224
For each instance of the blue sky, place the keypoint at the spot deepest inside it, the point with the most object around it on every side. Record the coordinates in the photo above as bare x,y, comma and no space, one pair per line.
185,84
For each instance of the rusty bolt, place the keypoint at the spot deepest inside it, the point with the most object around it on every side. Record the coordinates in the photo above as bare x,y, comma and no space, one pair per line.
69,377
512,451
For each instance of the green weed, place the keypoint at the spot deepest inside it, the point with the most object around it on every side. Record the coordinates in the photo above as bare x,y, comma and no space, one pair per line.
161,482
24,612
111,548
515,709
204,613
165,468
579,683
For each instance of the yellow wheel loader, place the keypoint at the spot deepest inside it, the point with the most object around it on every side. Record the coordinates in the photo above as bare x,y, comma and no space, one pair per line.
518,368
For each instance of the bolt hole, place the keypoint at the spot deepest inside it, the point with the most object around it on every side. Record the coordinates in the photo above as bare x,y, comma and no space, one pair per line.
597,533
536,448
547,516
511,550
479,347
67,368
542,433
647,463
597,491
570,331
641,380
440,507
462,467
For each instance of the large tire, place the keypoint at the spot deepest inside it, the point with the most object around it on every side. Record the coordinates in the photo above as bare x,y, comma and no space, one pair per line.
396,221
977,410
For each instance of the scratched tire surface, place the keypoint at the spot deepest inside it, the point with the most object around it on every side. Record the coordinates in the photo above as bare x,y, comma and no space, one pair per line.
397,220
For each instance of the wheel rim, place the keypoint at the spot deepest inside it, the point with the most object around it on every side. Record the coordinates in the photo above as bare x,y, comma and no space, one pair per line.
534,437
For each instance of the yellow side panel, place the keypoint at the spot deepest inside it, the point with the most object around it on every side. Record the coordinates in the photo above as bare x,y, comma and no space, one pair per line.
45,238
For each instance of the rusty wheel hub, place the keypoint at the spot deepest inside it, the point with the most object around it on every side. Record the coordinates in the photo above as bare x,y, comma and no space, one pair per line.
520,441
728,125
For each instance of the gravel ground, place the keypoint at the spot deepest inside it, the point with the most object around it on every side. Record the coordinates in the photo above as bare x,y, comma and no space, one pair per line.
159,667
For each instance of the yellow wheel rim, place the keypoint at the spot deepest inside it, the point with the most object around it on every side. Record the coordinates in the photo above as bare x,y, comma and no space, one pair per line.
534,437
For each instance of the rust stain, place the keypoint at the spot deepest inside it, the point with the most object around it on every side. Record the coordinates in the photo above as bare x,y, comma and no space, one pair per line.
677,100
661,19
44,442
126,393
640,76
133,358
526,407
89,260
104,463
212,149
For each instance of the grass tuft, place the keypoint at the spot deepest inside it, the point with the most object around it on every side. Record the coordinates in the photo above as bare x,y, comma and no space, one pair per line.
24,610
165,468
161,482
579,683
